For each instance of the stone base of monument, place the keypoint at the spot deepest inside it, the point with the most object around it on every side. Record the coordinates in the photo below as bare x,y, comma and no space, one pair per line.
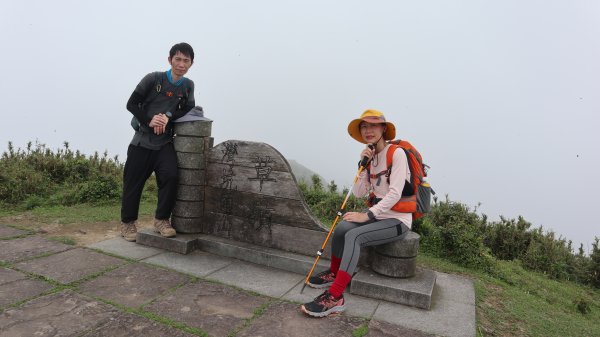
415,291
270,257
182,243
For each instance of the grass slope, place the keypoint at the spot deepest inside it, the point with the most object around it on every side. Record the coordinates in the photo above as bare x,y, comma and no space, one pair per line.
521,303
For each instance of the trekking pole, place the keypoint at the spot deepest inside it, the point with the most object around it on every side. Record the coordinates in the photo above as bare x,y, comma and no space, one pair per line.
363,164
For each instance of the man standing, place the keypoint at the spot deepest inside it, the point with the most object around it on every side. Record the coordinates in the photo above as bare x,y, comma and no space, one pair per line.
158,100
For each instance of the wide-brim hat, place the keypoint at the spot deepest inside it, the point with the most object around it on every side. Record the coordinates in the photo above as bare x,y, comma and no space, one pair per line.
375,117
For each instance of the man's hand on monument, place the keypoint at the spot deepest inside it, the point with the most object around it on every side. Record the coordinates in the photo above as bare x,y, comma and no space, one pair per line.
159,123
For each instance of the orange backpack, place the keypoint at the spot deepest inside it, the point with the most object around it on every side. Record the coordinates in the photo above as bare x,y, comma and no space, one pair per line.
416,195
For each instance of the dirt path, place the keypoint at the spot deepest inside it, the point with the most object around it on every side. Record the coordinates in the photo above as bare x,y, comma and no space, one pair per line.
83,234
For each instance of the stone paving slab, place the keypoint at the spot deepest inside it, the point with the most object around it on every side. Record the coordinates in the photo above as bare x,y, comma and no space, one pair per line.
263,280
355,305
129,325
16,286
286,319
118,246
133,285
7,232
383,329
62,314
70,265
28,247
213,308
196,263
452,312
450,315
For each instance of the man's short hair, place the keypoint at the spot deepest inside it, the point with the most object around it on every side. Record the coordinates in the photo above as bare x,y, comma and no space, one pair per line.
183,48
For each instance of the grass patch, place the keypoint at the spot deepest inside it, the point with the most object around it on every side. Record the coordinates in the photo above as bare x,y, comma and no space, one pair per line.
14,237
256,314
518,302
154,317
6,210
85,213
82,280
361,331
63,239
170,322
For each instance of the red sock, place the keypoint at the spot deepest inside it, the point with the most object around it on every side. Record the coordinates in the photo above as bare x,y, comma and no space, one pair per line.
334,266
339,284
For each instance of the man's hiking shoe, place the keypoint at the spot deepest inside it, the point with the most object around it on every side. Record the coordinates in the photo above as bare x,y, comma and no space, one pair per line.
324,305
164,228
129,231
321,280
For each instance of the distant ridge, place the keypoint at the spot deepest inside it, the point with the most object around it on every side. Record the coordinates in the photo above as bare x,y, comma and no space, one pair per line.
302,173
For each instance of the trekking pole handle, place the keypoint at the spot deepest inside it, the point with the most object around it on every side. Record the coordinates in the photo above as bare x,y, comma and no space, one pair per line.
365,159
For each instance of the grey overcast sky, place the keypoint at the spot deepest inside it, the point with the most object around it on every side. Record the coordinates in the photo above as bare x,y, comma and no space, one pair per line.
501,97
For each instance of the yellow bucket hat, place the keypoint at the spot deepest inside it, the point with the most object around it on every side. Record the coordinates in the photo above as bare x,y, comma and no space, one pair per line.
371,116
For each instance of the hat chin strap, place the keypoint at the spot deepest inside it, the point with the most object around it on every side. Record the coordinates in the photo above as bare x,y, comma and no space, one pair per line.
377,142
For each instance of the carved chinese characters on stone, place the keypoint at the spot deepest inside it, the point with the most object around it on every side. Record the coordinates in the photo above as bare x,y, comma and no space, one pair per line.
229,152
263,170
261,214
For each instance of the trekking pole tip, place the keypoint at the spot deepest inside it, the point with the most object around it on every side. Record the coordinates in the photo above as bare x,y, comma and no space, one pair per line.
304,286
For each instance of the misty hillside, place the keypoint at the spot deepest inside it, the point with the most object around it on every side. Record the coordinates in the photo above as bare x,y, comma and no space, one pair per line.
302,173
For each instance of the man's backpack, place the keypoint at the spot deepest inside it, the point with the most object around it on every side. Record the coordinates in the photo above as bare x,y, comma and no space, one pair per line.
154,92
416,195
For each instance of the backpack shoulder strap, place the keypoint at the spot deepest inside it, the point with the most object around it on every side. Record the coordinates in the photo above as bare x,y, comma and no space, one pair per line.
389,156
408,151
187,86
156,88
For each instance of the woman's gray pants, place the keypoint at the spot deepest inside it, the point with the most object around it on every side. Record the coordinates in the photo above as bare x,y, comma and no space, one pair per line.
349,237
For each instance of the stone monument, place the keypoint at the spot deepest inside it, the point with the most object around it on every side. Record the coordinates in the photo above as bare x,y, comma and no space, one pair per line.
240,199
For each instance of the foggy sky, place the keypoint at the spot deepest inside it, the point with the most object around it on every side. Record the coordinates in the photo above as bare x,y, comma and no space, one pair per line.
501,98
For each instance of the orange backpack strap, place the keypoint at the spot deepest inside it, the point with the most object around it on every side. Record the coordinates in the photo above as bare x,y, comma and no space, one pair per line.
389,156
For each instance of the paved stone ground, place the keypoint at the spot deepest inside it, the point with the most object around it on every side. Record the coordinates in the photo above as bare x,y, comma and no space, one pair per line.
51,289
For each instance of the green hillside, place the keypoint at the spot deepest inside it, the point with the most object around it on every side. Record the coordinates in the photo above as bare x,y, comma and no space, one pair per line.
528,282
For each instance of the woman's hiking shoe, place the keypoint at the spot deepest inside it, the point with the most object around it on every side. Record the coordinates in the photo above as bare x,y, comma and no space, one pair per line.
324,305
164,228
321,280
128,231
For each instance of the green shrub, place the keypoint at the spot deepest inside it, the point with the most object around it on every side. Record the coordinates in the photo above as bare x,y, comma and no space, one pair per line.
451,230
548,255
33,201
39,176
595,264
325,204
99,189
582,305
150,192
509,238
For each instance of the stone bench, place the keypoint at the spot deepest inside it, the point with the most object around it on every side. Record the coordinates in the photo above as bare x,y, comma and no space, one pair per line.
397,259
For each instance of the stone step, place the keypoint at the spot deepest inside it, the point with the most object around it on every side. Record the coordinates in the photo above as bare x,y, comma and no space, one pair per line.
270,257
182,243
415,291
